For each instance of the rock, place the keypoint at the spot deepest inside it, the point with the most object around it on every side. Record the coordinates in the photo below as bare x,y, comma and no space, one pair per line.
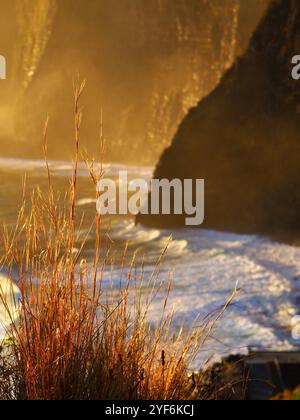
244,138
223,381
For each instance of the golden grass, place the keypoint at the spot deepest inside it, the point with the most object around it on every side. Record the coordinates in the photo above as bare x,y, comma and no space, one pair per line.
73,339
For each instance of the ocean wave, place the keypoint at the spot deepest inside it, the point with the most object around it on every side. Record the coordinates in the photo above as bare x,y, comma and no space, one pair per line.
10,294
207,265
64,168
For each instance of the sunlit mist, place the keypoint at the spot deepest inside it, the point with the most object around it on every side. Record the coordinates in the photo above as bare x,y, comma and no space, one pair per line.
146,62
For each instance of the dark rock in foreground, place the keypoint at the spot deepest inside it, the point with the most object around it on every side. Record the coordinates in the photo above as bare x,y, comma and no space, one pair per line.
244,138
258,377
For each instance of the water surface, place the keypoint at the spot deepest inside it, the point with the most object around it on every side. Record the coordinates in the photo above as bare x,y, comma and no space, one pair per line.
207,265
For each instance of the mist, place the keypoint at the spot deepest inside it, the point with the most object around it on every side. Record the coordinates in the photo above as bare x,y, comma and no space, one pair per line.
147,63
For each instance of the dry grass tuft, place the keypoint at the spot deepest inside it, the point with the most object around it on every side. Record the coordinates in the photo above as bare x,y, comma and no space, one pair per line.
73,340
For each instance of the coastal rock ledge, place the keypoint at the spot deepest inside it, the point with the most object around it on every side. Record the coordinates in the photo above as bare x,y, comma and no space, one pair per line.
244,138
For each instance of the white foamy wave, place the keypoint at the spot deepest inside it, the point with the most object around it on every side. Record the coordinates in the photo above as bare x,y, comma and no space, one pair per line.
207,266
128,231
85,202
64,168
9,297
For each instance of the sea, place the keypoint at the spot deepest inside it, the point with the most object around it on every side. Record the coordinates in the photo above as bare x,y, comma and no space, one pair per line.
206,266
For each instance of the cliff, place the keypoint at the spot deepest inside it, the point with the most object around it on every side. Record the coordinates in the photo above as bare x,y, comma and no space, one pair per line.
244,138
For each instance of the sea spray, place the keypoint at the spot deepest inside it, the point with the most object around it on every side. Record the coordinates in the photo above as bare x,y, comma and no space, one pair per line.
35,20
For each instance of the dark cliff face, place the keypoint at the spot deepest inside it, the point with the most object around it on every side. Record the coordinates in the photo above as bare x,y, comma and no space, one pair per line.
244,138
